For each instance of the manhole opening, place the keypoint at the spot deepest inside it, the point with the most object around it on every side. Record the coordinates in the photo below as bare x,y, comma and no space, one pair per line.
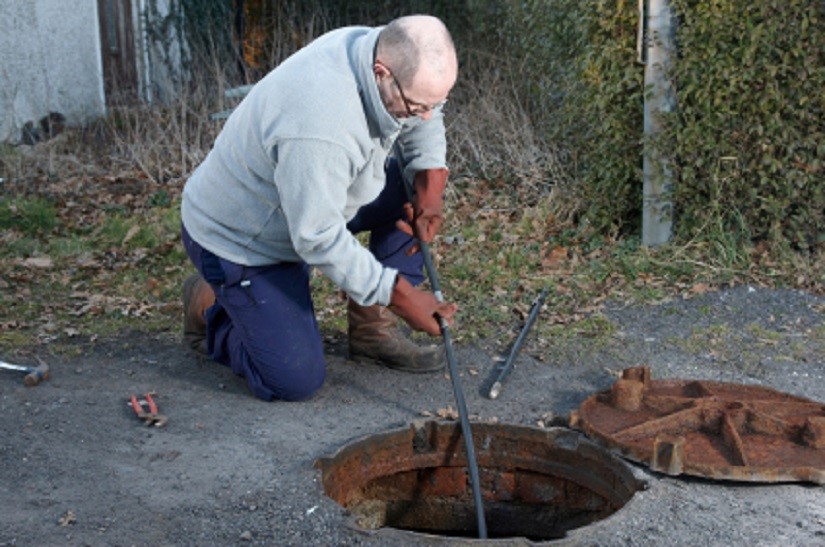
535,483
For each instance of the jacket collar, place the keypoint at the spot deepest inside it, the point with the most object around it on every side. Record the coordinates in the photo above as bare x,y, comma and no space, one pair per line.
380,120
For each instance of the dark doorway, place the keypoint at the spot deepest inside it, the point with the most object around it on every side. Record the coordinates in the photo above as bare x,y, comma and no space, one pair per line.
117,40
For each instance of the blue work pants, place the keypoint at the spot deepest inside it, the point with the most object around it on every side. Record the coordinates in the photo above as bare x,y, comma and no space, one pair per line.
263,323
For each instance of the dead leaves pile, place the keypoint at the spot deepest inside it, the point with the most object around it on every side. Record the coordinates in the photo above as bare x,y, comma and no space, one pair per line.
500,245
48,291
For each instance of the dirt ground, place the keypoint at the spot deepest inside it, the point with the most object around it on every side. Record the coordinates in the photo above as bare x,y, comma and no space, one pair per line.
80,469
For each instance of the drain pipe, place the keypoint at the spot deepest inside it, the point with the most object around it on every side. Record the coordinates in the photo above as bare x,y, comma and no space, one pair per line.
459,395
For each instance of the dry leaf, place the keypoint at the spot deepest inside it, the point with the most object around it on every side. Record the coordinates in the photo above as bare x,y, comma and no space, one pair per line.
699,288
555,258
38,262
67,519
448,413
133,231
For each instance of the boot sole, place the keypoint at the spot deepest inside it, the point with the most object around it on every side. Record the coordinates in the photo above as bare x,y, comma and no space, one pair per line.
399,368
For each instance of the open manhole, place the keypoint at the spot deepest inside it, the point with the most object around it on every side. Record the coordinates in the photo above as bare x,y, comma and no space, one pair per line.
535,483
708,429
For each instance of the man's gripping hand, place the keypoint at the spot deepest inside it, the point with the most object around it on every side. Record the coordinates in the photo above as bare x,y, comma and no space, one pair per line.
419,309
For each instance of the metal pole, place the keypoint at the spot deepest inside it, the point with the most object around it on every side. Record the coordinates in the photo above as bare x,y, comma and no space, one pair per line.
495,389
472,464
660,48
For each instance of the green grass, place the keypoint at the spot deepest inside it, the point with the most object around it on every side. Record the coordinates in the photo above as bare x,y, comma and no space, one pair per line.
31,216
116,262
122,273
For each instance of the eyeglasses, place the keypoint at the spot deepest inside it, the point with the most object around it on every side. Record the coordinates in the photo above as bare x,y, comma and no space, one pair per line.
414,108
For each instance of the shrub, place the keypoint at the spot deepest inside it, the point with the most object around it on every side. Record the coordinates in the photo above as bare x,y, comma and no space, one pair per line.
747,138
750,139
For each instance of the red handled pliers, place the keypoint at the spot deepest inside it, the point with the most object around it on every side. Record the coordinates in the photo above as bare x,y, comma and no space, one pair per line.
151,417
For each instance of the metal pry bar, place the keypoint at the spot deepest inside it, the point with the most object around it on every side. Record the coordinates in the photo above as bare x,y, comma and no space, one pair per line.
495,389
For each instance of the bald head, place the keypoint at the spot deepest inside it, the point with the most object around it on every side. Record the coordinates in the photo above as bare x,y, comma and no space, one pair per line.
419,50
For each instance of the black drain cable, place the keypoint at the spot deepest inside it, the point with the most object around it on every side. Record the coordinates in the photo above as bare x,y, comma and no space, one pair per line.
459,394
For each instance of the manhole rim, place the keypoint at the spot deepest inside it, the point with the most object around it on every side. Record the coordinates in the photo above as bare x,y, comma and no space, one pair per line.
634,480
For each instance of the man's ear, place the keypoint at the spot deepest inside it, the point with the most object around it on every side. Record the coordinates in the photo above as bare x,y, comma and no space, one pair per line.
380,70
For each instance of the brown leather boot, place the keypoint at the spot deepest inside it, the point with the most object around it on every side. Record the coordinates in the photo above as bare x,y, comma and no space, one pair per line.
374,335
197,298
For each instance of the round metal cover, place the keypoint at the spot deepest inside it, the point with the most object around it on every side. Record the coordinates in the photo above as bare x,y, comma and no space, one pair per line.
708,429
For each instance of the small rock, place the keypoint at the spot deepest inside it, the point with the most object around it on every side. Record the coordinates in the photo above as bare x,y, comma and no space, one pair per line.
246,536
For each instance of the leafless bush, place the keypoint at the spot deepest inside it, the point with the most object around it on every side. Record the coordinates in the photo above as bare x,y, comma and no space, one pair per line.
167,140
493,136
164,141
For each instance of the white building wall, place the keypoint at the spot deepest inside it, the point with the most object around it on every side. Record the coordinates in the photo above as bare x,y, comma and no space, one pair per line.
49,62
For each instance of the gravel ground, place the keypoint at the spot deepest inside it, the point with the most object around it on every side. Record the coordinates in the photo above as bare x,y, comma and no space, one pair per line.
80,469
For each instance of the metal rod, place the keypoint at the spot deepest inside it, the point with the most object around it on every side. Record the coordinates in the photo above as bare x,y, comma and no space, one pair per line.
495,389
459,395
11,366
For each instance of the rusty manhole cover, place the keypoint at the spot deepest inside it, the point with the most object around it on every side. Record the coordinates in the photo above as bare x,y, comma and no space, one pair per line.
708,429
535,483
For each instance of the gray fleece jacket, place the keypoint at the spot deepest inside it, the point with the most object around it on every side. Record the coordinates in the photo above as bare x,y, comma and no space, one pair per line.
299,156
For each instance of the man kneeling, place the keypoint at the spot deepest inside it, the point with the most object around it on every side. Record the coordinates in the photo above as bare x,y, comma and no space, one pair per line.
329,144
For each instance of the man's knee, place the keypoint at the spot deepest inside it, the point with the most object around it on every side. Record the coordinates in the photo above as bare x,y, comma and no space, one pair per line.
289,381
300,391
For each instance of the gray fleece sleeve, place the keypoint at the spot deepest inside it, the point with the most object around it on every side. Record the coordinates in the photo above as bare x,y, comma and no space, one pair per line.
422,145
312,179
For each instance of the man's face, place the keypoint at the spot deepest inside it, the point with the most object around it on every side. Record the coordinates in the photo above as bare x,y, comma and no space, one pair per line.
419,99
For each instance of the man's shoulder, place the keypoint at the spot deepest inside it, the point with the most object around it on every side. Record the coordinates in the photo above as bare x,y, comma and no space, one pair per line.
316,94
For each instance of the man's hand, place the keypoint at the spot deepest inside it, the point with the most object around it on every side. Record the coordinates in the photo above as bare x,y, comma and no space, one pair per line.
419,309
425,211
